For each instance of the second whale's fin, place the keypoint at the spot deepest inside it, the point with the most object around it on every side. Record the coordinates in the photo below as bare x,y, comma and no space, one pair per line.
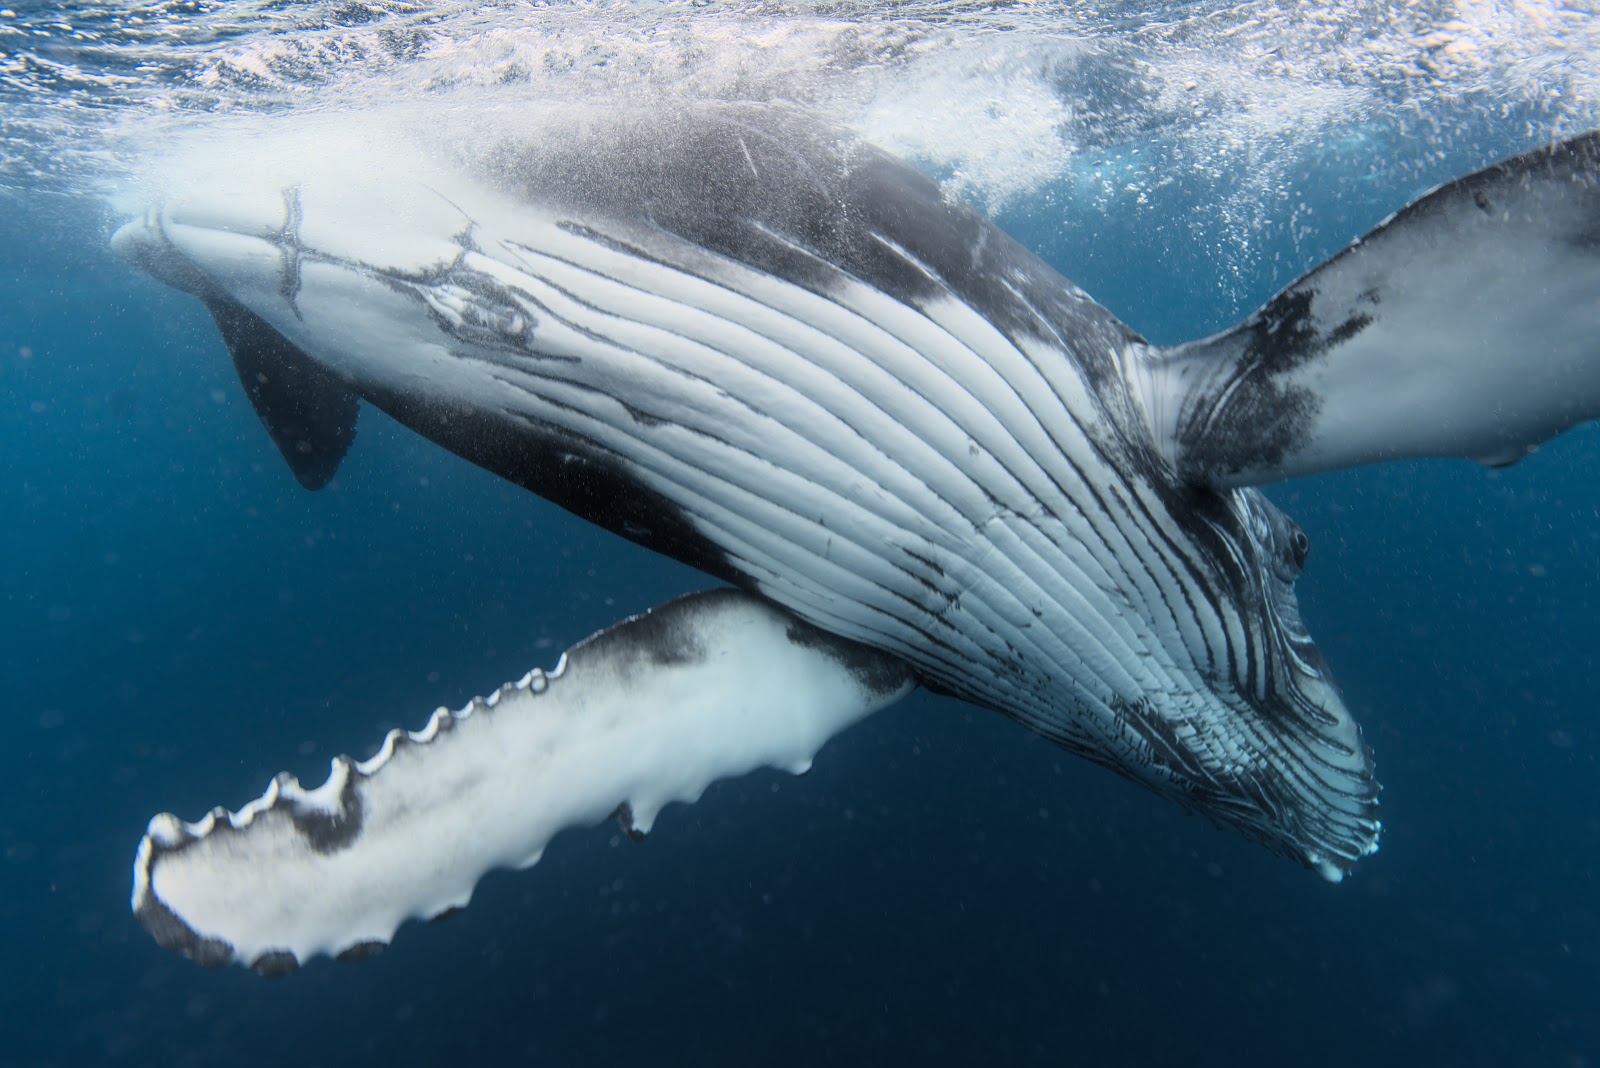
1466,324
650,711
309,413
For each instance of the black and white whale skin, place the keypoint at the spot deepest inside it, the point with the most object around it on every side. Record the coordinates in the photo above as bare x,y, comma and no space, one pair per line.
747,339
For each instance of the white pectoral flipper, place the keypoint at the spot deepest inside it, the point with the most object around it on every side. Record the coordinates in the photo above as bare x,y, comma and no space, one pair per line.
650,711
1466,324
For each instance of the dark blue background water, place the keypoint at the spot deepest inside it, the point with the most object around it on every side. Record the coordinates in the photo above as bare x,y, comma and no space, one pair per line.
180,622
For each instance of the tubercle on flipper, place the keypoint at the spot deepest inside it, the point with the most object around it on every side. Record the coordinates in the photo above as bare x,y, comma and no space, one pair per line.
172,832
535,682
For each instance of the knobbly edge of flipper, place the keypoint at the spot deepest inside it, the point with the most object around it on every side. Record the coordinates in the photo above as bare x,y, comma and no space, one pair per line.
644,713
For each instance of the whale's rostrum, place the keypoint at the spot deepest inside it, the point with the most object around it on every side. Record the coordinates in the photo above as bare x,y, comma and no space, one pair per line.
750,340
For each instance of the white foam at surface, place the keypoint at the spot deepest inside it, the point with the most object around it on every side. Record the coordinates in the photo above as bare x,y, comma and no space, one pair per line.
1002,100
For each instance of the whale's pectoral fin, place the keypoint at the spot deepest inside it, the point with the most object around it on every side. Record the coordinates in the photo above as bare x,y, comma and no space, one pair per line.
650,711
308,411
1467,324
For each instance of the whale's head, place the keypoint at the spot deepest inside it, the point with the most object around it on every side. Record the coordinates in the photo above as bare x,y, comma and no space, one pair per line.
365,273
391,268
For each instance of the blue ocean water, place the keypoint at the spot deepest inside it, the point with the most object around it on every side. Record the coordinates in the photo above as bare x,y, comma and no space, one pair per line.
181,622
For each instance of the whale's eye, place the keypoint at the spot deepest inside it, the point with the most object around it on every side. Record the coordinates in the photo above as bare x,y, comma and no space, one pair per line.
1301,546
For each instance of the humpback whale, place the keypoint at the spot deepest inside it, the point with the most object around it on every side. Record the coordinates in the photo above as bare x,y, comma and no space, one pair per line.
914,453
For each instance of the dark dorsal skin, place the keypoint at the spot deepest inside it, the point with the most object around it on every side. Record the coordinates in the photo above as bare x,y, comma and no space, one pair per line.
730,179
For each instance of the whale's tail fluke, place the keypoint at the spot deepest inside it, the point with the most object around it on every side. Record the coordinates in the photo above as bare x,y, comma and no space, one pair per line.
1466,324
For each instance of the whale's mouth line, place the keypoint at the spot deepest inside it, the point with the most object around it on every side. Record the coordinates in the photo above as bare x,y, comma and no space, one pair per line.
153,241
466,304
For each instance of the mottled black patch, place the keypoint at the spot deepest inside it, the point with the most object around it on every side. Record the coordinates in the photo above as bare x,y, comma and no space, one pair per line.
173,934
1285,335
1261,425
308,412
662,637
624,817
275,964
329,832
361,950
1255,414
290,248
875,671
667,635
1264,420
